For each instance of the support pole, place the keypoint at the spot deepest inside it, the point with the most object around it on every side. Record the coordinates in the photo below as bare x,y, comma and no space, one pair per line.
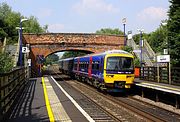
177,102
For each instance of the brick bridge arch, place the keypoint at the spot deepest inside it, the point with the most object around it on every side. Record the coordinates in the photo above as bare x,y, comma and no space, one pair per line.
47,43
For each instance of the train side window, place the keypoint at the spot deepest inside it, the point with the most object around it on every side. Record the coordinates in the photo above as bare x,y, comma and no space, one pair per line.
75,66
92,66
86,66
97,66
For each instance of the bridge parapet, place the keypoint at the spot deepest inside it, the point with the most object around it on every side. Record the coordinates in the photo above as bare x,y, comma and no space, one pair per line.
76,38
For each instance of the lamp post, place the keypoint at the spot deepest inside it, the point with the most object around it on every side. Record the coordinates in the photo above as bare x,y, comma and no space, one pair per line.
141,45
20,38
124,25
166,52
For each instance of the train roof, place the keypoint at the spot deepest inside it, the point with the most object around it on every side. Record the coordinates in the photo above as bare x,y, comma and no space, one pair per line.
102,53
108,52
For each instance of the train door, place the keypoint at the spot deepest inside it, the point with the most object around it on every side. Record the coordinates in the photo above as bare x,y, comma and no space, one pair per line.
90,67
78,61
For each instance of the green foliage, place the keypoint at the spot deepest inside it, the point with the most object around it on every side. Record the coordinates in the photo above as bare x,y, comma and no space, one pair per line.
136,62
53,58
128,49
9,20
6,63
158,39
32,26
173,26
136,37
109,31
70,54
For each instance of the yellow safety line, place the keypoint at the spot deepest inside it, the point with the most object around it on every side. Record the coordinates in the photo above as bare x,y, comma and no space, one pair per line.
49,110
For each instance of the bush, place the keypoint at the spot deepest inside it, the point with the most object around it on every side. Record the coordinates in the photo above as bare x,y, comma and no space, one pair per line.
6,63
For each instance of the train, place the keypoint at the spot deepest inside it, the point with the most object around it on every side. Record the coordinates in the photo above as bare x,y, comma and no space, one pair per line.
111,71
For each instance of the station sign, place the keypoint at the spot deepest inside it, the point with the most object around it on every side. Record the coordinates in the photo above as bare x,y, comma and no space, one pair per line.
165,51
25,50
163,58
129,36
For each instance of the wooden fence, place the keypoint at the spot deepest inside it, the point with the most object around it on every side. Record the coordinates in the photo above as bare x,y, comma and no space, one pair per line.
161,75
11,85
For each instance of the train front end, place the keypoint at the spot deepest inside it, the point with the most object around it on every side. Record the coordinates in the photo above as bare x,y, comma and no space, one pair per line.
119,71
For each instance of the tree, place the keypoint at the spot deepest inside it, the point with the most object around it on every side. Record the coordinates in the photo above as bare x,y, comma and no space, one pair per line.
32,26
173,26
69,54
51,59
109,31
45,27
158,39
9,20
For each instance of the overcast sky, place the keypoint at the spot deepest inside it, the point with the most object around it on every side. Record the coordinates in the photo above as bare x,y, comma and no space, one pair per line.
87,16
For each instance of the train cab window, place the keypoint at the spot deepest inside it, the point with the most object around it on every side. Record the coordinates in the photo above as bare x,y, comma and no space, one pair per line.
119,63
127,63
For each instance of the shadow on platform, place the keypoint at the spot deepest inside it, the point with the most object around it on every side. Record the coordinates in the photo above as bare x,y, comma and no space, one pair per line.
28,106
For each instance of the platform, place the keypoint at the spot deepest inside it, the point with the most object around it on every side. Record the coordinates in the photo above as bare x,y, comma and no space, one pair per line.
45,100
158,86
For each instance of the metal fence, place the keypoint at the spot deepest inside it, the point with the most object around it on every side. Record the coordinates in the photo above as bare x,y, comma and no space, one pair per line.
161,75
175,75
11,85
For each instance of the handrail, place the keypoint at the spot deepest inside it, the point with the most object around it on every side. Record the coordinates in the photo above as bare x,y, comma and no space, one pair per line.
146,58
11,84
149,50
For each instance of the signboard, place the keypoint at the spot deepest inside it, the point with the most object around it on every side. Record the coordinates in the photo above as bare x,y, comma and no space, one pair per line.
124,20
29,62
25,50
165,51
129,36
163,58
137,51
142,43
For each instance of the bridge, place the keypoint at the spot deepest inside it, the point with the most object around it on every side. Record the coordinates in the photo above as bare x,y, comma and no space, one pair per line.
48,43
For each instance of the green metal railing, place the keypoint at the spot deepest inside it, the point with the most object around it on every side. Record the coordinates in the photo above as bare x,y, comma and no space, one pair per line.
11,85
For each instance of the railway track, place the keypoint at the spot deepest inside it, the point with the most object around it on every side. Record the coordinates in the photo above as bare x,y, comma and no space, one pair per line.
119,108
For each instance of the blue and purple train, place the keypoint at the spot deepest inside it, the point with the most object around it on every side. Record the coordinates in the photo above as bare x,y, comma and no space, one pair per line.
112,71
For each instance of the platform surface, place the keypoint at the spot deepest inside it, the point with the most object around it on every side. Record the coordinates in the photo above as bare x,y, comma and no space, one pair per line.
45,100
158,86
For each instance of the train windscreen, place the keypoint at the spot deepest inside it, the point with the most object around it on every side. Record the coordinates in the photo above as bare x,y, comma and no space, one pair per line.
120,65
